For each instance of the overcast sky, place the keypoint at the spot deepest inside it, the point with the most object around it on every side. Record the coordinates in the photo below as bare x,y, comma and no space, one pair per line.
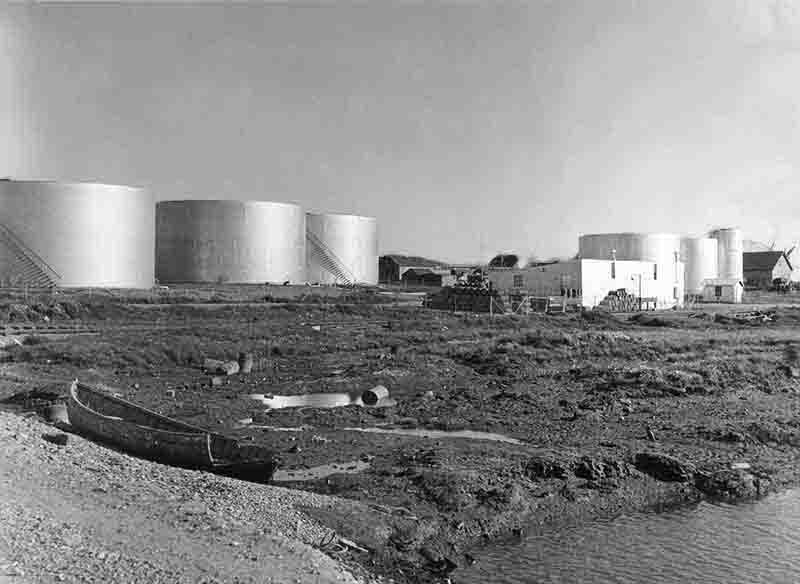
465,128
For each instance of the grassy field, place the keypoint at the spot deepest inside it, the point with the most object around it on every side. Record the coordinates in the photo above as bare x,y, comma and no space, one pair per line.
587,395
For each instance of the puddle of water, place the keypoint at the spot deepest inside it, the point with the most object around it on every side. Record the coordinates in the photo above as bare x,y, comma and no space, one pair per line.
423,433
320,472
317,400
302,428
313,400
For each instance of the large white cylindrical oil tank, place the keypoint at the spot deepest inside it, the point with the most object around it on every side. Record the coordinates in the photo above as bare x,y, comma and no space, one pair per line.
76,234
699,255
730,249
230,242
342,249
663,248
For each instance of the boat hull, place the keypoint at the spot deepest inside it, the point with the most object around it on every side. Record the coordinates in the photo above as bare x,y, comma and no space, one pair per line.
150,435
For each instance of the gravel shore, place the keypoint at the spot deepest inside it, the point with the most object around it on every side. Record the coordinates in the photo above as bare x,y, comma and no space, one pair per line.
85,513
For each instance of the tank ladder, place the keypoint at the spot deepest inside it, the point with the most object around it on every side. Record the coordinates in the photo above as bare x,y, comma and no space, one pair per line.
329,261
21,266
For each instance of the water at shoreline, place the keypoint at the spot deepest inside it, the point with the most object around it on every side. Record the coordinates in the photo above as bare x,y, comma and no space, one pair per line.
747,543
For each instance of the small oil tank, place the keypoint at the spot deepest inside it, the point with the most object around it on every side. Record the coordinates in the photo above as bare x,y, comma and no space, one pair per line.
699,255
730,249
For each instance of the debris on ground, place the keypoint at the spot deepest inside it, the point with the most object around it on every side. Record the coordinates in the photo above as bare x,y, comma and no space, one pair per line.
221,367
57,439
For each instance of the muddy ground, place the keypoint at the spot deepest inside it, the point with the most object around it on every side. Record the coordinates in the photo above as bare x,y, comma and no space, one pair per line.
612,413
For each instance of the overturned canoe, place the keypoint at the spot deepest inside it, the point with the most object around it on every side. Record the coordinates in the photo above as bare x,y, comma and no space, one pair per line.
150,435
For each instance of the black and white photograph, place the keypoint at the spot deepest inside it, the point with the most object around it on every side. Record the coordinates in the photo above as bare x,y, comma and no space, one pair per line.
400,292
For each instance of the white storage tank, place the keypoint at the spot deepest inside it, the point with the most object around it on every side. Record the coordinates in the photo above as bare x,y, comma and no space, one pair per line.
663,248
699,255
730,250
342,249
75,235
230,242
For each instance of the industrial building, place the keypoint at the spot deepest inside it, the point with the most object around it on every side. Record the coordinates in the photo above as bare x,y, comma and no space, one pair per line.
75,235
658,269
588,282
657,264
230,241
341,249
391,267
762,268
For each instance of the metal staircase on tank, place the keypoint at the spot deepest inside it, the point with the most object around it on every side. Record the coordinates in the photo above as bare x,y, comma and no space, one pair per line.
21,266
329,261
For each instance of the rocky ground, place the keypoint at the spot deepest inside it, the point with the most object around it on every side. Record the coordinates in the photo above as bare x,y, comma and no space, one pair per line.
79,512
608,414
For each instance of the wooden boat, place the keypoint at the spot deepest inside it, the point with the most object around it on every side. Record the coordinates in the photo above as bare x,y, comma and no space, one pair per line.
148,434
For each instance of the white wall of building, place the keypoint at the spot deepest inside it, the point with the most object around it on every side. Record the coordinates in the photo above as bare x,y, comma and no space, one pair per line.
655,280
594,279
723,290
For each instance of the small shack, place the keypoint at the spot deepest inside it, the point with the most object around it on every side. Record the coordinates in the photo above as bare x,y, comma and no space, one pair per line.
392,267
728,290
427,277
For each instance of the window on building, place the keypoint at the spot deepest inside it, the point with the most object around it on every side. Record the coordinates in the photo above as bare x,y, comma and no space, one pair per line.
717,291
613,270
518,281
675,293
655,271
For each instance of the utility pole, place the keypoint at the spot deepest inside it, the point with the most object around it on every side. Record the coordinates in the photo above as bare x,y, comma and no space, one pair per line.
639,276
640,292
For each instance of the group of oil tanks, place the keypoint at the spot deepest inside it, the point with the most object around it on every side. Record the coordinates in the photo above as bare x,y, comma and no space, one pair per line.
96,235
262,241
716,256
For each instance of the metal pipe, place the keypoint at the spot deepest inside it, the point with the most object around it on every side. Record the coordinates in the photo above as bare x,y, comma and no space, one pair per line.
374,395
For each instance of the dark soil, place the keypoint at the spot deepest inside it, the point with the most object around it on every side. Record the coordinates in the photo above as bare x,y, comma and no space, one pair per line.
614,414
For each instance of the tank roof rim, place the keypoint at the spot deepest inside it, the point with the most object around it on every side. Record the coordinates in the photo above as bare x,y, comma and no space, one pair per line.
341,215
71,183
228,202
629,233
